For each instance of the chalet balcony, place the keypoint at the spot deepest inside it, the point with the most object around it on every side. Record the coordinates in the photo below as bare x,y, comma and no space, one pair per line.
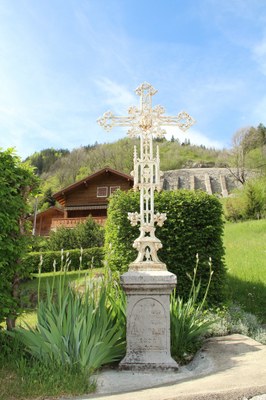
72,222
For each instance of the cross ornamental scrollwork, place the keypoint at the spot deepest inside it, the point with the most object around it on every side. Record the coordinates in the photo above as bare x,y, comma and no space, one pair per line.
147,122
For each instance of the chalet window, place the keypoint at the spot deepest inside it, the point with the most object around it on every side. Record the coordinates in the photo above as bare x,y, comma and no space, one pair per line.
102,191
113,189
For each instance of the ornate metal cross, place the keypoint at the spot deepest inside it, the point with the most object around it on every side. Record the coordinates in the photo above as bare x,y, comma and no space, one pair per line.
146,122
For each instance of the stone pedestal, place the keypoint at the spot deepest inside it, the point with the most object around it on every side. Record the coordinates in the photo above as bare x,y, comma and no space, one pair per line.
148,320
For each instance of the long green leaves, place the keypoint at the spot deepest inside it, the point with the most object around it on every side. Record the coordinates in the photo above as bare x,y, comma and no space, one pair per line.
84,329
189,322
85,326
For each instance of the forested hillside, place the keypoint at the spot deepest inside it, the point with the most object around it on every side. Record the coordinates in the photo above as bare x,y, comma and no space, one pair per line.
43,160
60,168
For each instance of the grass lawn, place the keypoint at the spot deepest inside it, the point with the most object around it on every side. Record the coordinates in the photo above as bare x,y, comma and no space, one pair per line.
245,244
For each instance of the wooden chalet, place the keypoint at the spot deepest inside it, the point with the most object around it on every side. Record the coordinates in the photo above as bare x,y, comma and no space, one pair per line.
89,196
43,223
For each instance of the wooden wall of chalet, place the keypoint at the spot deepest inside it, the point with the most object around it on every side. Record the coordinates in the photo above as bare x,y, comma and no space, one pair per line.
87,193
101,213
44,220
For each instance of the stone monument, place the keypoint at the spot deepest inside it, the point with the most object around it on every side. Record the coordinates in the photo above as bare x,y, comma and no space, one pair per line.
147,283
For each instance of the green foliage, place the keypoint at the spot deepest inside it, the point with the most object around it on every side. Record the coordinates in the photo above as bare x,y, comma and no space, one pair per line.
45,159
249,202
254,138
92,257
47,200
17,183
235,208
86,234
78,329
239,321
62,238
89,234
234,319
37,243
255,194
175,155
23,377
119,235
189,322
85,324
247,279
194,226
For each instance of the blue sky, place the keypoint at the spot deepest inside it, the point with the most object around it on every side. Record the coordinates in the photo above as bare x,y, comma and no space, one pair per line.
65,62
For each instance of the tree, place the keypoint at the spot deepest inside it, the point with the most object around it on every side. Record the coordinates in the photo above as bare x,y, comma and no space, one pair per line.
44,159
89,234
17,183
239,152
262,135
86,235
248,151
255,198
47,200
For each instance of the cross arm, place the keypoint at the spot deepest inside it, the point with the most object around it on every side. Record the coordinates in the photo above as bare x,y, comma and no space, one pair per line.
109,120
183,120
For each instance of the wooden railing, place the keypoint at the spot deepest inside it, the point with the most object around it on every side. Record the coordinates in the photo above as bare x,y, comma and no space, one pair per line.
72,222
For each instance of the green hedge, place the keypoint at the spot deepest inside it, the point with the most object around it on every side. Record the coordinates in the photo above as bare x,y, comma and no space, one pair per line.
194,225
90,257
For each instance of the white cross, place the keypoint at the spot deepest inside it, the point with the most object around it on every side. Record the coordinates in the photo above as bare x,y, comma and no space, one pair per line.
147,122
145,118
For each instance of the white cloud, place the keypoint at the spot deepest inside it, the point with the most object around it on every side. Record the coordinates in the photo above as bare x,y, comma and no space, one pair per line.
194,136
117,96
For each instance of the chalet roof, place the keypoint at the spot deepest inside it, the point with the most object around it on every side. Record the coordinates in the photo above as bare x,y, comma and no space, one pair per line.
70,188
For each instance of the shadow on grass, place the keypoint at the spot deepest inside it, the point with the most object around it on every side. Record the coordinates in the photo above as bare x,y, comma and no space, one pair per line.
250,295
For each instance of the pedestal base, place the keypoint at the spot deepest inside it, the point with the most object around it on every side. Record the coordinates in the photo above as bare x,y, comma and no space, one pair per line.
148,320
128,365
148,360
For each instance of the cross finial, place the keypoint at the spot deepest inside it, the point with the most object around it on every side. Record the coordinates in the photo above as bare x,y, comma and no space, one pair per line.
145,87
145,91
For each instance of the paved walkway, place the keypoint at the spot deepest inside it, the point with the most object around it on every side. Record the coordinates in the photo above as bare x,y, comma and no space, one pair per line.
227,368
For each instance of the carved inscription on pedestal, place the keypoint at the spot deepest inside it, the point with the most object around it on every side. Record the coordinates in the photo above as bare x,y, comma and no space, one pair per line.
147,326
